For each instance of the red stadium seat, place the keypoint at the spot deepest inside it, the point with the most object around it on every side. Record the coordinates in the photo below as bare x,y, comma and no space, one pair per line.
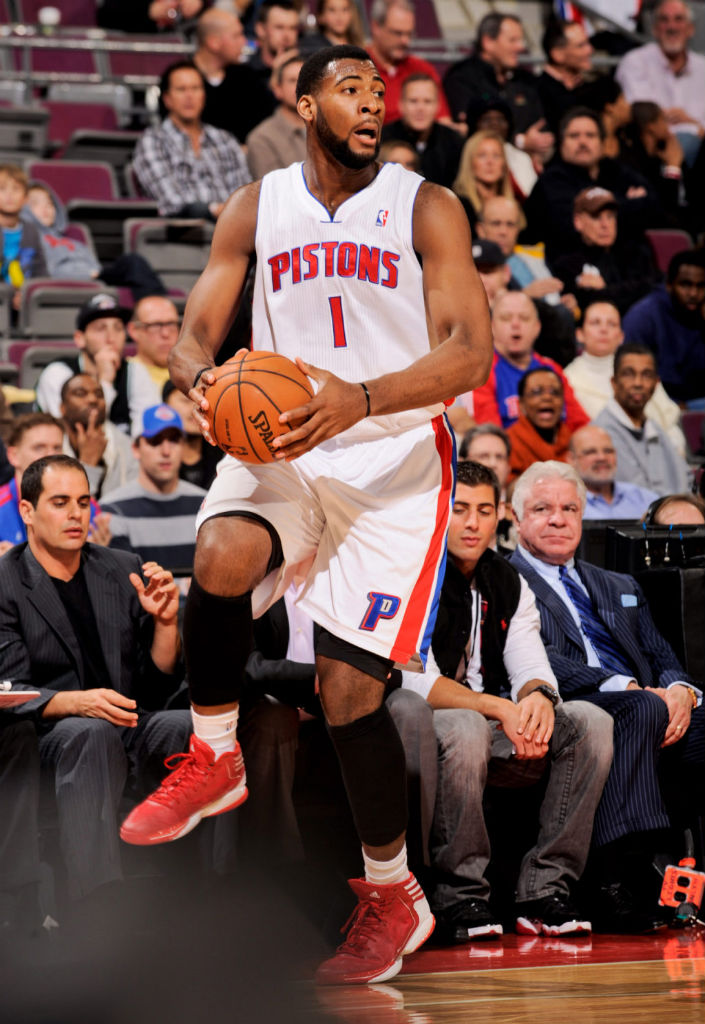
76,180
67,118
665,243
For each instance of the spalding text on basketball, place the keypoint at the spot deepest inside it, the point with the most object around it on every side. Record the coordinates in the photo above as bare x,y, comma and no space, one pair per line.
335,259
261,424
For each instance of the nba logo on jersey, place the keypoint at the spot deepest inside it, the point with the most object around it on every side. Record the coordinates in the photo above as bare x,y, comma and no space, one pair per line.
381,606
382,218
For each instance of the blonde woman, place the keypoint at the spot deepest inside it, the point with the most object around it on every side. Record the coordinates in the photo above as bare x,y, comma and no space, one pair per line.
483,172
338,22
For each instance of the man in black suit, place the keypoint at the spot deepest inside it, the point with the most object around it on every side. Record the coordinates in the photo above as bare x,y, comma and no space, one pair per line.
603,647
79,624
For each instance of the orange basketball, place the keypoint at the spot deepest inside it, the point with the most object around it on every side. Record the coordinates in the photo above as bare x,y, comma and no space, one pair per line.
251,392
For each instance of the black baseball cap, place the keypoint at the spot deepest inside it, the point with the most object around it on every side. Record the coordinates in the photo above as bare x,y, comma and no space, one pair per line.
487,255
98,307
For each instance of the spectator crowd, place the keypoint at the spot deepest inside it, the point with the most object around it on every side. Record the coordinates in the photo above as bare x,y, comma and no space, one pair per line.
571,180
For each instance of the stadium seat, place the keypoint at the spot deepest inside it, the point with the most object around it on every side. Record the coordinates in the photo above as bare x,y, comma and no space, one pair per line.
5,309
9,373
113,147
692,421
176,249
13,93
66,118
48,308
23,131
136,67
79,13
113,93
72,179
106,220
56,60
665,243
36,357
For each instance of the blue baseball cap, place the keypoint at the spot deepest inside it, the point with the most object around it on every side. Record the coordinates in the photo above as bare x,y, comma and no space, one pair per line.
159,418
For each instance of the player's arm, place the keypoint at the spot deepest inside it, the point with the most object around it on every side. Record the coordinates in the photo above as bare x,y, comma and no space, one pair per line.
215,297
459,328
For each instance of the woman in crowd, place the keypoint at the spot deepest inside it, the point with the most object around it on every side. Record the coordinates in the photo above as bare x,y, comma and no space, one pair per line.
483,172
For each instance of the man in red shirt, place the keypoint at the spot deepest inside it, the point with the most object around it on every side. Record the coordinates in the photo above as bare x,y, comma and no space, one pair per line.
392,23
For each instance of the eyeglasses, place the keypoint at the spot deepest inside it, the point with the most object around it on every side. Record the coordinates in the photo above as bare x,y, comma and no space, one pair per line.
157,326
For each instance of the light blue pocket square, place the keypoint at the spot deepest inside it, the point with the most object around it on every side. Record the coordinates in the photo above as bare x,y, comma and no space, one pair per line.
629,600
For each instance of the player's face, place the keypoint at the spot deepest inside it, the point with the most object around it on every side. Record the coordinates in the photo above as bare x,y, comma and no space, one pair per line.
515,326
542,402
635,382
186,95
419,105
473,524
581,143
598,229
688,288
551,525
601,333
348,113
35,444
491,451
60,521
506,49
593,456
160,457
83,398
673,28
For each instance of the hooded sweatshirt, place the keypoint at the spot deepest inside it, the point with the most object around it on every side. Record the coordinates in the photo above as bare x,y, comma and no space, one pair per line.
65,257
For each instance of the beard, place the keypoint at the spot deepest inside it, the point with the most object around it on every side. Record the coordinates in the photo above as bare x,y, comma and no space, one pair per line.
339,148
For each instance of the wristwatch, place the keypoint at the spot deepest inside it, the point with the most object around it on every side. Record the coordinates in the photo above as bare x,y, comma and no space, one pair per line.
548,692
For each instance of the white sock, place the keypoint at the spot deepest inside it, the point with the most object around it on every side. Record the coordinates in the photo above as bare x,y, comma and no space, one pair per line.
218,731
386,872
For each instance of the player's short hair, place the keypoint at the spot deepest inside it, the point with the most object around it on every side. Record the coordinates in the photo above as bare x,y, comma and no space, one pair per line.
685,258
316,67
573,114
33,477
474,474
419,76
28,421
491,26
551,470
521,386
631,348
483,430
15,173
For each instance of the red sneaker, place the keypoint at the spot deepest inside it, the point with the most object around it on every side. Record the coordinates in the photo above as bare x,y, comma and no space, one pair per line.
198,786
389,921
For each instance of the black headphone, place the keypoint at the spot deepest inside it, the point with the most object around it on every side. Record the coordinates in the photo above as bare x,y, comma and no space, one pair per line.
650,514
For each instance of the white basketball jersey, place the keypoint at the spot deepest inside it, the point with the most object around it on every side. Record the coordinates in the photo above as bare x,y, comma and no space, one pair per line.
344,292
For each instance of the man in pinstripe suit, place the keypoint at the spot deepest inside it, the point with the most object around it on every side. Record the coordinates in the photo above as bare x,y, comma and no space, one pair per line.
79,624
603,647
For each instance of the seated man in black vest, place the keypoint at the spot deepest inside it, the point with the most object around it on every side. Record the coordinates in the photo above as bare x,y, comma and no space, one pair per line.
489,701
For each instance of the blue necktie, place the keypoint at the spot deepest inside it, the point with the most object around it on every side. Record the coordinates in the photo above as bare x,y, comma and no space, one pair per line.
608,651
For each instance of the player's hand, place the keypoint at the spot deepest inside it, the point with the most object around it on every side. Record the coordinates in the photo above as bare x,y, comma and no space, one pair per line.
101,702
336,406
200,403
91,440
680,706
160,596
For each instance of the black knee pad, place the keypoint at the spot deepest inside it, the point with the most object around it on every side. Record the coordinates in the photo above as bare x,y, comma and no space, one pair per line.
372,762
217,644
330,646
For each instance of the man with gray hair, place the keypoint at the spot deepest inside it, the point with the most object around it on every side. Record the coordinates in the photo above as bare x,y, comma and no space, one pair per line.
668,73
392,24
603,647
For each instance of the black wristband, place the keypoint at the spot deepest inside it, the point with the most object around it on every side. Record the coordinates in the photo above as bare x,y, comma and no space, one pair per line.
367,396
199,375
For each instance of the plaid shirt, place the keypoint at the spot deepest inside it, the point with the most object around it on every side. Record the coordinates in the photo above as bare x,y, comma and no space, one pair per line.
170,171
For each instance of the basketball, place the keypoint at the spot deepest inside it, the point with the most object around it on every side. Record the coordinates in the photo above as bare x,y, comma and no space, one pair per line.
251,392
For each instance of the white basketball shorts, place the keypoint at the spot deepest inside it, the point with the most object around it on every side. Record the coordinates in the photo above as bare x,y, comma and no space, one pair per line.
365,522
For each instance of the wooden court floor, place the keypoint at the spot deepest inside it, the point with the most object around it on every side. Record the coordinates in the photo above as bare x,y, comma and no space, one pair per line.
595,980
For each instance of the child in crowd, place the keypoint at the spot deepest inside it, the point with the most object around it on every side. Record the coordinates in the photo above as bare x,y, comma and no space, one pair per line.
20,243
67,258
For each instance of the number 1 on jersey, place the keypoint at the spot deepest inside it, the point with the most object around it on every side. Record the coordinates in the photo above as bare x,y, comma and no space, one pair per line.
336,312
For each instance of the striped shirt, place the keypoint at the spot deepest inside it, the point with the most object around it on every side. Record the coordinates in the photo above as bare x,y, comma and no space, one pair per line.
157,527
171,172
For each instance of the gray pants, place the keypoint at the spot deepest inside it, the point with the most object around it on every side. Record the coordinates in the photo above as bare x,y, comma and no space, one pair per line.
90,761
453,754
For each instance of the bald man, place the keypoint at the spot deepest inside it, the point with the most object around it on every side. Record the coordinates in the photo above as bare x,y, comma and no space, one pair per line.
236,98
592,454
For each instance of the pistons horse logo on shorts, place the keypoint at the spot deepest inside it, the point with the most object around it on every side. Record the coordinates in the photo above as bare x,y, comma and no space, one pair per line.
381,606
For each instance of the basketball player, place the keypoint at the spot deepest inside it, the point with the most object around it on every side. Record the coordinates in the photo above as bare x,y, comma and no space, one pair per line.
366,271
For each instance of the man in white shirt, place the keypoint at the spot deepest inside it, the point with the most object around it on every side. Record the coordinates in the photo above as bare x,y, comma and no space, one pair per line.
488,666
668,73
